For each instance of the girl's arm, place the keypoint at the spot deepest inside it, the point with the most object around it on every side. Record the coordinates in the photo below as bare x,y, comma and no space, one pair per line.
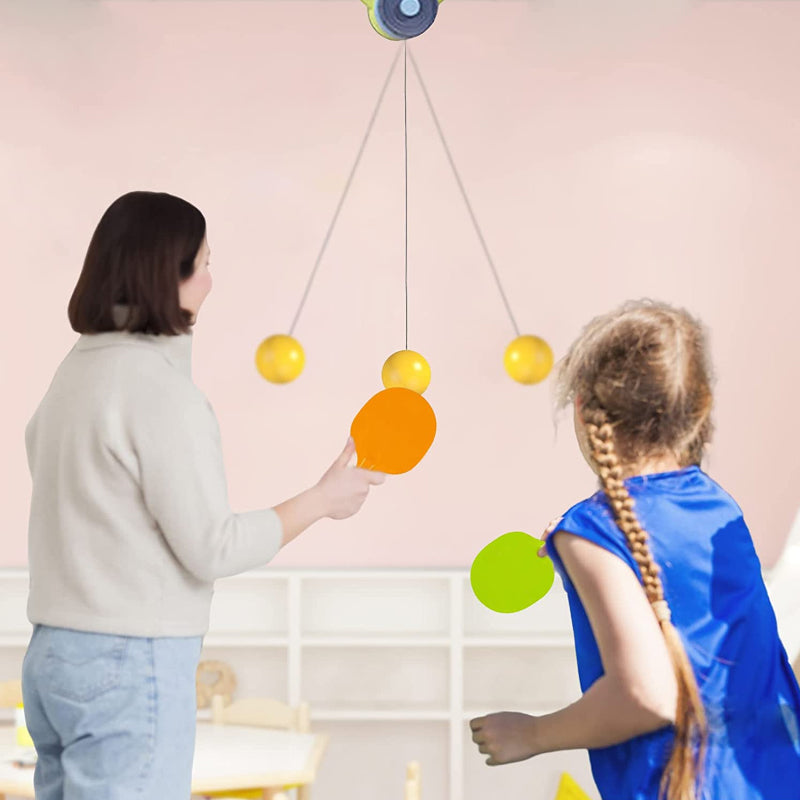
636,695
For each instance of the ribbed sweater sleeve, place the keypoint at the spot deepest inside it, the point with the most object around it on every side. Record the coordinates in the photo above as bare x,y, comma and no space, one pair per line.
182,477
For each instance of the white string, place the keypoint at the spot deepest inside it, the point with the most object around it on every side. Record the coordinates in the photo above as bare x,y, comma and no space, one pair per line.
464,195
344,193
405,141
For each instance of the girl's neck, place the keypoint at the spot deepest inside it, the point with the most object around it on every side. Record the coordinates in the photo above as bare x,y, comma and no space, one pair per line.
651,466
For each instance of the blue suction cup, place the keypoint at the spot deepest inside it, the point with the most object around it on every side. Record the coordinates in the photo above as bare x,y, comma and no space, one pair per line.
405,19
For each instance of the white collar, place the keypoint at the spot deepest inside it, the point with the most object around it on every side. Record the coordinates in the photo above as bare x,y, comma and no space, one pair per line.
176,349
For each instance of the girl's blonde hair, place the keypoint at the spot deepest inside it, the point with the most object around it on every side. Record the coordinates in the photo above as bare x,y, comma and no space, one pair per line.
642,379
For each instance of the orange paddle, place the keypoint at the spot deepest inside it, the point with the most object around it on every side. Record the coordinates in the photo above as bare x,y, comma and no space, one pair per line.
393,431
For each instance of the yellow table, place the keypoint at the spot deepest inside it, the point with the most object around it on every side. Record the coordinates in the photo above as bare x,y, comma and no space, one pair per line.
226,757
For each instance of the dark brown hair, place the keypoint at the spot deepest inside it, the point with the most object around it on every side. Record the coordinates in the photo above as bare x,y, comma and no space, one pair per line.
643,381
143,247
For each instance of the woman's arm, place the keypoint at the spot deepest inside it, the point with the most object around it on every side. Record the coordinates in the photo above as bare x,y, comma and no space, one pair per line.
339,494
636,695
181,473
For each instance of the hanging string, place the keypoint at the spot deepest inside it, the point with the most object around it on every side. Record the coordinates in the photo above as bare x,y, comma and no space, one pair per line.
344,193
464,194
405,142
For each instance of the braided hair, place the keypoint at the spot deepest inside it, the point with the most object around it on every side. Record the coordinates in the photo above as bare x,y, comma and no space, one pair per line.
642,378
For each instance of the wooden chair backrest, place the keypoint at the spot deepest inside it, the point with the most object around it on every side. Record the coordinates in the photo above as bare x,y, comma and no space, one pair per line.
10,694
261,712
413,788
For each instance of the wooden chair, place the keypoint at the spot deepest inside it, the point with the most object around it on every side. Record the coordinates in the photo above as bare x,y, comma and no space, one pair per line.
261,712
413,786
10,697
10,694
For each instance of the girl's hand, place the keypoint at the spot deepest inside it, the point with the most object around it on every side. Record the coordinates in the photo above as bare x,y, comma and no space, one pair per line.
505,737
552,525
344,488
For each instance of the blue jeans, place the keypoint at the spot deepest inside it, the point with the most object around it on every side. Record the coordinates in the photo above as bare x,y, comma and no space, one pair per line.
112,717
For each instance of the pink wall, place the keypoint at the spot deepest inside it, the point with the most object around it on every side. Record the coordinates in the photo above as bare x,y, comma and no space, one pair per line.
658,160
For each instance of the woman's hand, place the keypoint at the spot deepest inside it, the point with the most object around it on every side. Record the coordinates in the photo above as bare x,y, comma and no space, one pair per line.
505,737
343,488
338,494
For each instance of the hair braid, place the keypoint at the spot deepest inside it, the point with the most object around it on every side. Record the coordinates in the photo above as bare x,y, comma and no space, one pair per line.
682,772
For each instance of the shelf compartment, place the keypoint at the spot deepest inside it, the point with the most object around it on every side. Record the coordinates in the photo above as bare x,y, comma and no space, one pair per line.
260,671
406,607
14,608
16,640
376,678
547,617
389,715
237,640
365,762
528,677
375,641
531,640
254,607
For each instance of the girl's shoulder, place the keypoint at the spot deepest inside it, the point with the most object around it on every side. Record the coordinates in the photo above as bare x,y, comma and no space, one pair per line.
593,511
592,519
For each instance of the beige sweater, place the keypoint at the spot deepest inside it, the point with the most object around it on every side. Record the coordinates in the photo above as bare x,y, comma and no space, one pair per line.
130,521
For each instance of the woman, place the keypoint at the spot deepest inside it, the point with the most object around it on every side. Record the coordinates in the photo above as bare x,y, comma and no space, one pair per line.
130,523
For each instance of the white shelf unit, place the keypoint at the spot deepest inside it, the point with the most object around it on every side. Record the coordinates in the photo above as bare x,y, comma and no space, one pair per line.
394,663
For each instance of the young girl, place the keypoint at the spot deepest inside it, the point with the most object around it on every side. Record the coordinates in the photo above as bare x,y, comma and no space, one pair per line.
130,523
687,690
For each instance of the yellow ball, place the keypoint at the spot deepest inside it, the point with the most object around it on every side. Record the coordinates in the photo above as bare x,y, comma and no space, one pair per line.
528,359
280,358
407,369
